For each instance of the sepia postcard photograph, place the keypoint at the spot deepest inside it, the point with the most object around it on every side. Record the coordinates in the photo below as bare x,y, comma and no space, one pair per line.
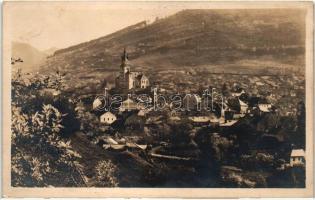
183,99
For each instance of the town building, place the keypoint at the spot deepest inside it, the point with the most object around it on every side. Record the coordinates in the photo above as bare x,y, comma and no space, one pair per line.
297,157
129,105
192,102
127,79
237,93
228,123
200,120
97,103
108,118
100,101
243,107
143,112
264,107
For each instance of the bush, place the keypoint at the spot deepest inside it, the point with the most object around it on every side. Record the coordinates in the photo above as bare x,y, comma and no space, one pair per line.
261,161
106,174
40,156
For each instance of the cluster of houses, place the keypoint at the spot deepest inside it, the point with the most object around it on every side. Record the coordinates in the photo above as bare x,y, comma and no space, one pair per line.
128,80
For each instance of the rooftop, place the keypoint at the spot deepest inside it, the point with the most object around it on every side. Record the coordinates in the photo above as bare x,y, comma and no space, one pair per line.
297,153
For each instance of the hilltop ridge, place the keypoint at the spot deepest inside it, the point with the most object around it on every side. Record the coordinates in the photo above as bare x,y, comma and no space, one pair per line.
193,38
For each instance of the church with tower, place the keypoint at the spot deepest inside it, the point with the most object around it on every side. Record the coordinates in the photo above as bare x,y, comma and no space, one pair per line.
127,79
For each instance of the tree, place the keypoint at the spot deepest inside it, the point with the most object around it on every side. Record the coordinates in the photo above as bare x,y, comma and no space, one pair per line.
300,118
180,133
106,174
225,90
134,122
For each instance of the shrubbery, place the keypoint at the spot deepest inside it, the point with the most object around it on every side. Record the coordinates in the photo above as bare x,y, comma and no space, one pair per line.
106,173
40,156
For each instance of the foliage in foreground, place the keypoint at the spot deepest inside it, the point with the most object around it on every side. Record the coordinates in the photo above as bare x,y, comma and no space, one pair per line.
43,118
39,155
106,173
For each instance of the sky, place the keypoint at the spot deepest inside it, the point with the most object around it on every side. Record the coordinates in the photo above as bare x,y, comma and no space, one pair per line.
56,25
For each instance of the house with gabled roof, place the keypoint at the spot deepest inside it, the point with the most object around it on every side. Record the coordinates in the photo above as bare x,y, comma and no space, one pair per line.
297,157
108,118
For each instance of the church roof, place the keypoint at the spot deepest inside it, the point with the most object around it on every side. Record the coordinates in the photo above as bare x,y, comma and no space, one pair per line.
140,76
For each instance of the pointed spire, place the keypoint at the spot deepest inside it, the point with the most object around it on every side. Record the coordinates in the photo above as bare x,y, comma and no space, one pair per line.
124,57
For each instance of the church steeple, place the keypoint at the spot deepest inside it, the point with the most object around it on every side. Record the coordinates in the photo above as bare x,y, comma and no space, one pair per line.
125,62
127,79
124,56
